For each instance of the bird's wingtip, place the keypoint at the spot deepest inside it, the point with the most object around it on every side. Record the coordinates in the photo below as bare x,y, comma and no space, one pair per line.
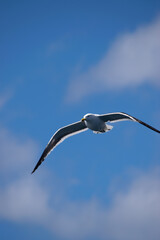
33,171
37,165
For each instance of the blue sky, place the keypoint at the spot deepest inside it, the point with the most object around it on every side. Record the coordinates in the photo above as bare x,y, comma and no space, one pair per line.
60,60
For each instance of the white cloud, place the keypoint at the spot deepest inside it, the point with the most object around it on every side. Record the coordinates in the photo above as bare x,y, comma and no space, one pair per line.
133,59
22,196
22,200
16,154
136,214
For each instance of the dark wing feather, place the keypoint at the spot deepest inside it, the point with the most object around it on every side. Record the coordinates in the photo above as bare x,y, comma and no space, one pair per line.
115,117
58,137
120,116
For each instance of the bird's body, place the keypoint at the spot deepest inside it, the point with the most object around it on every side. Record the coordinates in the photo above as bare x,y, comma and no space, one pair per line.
94,122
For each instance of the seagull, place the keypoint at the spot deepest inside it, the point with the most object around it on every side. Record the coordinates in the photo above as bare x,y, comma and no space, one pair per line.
95,122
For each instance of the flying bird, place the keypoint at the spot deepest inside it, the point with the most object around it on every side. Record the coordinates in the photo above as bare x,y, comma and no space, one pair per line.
95,122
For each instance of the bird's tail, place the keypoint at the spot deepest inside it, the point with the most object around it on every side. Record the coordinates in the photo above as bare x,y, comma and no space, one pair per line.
108,128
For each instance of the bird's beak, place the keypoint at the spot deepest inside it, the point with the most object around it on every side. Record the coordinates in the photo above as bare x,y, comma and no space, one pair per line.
83,119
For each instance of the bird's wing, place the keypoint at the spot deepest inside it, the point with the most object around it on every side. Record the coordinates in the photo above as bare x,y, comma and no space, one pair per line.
59,136
120,116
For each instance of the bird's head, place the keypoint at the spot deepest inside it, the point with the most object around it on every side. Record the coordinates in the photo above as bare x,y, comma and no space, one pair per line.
87,117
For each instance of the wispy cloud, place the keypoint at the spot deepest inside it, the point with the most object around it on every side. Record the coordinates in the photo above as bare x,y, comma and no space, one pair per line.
23,200
16,154
5,97
55,47
22,196
133,59
133,214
